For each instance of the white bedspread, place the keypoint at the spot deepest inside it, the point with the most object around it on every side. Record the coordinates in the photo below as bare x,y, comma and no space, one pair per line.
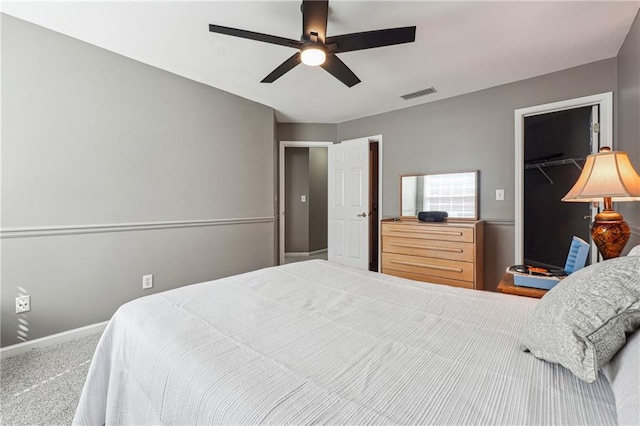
315,342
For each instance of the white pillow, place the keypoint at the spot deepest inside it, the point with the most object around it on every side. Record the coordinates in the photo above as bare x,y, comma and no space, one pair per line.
623,373
635,251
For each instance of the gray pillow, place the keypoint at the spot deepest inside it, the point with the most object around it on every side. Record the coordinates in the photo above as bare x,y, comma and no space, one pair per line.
582,322
634,251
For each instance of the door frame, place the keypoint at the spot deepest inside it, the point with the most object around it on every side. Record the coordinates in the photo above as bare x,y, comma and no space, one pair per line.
281,191
605,101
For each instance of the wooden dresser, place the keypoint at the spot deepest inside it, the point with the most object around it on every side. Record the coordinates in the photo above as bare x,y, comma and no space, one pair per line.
444,253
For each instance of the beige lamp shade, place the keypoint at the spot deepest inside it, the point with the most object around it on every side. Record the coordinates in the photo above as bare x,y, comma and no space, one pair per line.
606,174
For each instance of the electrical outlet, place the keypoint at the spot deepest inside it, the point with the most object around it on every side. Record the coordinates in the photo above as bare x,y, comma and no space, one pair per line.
147,281
499,194
23,304
303,198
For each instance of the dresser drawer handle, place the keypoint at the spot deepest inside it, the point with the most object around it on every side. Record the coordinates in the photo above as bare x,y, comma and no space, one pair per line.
424,265
422,246
454,233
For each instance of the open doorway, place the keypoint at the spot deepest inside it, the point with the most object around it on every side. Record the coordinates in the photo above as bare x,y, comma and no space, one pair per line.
289,196
602,135
374,202
302,200
556,145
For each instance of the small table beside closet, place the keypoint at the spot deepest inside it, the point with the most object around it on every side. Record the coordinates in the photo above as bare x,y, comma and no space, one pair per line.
507,286
448,253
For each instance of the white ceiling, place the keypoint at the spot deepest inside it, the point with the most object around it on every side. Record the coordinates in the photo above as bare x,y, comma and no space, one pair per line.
460,47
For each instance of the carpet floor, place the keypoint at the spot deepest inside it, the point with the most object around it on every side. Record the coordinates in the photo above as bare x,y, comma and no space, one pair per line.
43,386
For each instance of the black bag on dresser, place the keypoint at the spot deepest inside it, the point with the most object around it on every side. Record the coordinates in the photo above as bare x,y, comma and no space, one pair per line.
432,216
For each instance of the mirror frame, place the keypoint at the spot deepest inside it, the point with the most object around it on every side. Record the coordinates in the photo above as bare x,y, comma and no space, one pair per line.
477,207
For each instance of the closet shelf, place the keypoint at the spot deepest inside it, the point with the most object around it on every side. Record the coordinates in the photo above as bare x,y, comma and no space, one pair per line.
544,164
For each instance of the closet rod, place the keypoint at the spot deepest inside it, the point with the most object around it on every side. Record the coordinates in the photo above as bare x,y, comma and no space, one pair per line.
543,164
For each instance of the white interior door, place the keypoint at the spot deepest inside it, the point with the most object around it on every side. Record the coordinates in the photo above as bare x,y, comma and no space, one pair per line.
348,238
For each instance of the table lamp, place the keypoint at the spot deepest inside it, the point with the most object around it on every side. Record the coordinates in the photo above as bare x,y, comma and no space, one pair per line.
609,176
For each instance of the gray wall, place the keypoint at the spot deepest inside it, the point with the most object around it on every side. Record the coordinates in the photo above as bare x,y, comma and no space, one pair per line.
318,197
296,214
308,132
92,138
306,222
628,119
474,131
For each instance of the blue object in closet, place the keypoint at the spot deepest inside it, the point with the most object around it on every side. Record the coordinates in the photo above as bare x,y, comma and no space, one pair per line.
577,257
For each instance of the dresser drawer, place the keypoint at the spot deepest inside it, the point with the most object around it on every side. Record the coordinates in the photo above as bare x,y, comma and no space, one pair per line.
429,232
453,269
428,248
430,279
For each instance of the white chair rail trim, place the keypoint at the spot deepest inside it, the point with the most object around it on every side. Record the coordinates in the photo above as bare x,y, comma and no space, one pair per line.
45,231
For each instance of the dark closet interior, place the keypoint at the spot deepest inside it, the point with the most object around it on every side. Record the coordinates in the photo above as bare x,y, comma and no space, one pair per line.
555,145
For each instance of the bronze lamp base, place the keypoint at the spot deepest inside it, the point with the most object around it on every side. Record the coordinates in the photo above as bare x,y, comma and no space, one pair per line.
610,233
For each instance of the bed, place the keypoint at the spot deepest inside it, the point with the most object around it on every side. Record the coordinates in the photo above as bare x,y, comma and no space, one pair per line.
316,342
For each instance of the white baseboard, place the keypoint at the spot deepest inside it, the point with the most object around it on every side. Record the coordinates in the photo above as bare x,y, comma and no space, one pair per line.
20,348
306,254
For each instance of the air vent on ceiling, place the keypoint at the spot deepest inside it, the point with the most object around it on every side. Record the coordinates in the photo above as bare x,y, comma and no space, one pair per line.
419,93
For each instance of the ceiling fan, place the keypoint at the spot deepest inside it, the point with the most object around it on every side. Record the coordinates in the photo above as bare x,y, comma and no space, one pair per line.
315,48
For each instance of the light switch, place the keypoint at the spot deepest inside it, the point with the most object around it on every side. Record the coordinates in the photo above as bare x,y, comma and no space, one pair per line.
499,194
303,198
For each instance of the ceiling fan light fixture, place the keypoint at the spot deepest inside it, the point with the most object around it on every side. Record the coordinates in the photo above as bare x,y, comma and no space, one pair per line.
313,55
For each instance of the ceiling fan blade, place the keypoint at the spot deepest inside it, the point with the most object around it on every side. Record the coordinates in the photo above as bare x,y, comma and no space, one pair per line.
266,38
286,66
314,18
334,66
371,39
